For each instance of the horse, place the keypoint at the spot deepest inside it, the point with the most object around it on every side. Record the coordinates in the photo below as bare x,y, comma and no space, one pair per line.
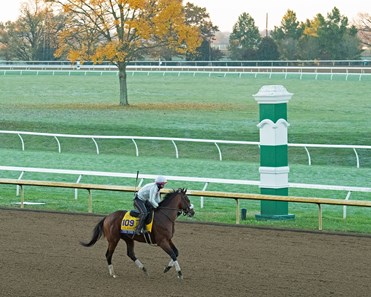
173,204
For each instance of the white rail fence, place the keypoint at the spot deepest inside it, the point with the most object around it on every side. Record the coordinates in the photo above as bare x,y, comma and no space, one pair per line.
289,68
254,71
205,181
174,141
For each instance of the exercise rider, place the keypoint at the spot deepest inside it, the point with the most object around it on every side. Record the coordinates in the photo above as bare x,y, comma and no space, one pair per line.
148,196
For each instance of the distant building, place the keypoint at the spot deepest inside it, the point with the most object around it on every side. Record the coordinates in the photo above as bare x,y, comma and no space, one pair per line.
221,42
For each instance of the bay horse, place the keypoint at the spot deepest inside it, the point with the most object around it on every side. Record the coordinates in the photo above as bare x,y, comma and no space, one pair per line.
173,204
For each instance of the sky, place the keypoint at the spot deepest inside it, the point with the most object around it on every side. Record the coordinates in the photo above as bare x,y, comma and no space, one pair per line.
225,13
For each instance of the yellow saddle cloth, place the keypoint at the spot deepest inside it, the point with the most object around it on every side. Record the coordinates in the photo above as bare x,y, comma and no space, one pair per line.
129,223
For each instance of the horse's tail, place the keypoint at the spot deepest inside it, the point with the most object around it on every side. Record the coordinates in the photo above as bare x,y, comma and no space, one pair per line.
97,234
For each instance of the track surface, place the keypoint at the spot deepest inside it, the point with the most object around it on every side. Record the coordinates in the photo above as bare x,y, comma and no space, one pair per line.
40,255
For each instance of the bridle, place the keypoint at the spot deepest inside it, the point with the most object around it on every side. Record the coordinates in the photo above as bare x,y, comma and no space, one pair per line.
185,211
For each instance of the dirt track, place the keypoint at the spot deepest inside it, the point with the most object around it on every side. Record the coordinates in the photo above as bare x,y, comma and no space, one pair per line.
40,255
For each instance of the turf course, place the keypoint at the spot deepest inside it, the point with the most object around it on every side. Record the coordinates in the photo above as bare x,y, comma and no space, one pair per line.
186,106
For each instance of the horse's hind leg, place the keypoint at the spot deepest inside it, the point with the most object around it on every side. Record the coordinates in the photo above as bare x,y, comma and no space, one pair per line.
110,250
131,255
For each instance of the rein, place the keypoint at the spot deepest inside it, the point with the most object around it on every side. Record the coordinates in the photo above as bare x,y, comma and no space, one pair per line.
165,214
161,209
178,210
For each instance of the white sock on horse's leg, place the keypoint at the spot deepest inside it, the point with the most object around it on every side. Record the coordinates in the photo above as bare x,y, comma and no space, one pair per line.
171,263
139,264
111,272
177,267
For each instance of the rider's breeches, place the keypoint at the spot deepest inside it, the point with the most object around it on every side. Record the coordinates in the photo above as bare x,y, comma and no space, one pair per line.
141,206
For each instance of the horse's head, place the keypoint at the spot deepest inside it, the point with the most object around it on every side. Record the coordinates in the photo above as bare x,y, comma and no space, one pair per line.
178,201
185,205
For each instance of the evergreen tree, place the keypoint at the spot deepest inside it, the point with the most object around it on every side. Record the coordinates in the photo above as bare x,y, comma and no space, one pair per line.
333,32
287,36
245,39
268,49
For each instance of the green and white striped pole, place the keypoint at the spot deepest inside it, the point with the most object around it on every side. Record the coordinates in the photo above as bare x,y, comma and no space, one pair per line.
274,169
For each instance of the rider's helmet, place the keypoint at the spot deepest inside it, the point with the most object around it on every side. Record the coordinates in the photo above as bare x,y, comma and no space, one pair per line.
160,180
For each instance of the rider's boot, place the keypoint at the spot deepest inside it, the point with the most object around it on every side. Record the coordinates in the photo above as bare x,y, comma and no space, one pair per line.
139,228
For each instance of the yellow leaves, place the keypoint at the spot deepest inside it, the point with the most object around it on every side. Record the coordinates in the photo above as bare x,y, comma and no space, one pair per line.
310,32
116,22
67,8
312,28
73,55
193,38
115,30
136,4
169,17
59,52
142,27
97,2
110,51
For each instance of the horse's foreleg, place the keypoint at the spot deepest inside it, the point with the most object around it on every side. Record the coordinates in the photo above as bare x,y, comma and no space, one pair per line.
173,247
176,252
172,251
168,267
177,268
131,255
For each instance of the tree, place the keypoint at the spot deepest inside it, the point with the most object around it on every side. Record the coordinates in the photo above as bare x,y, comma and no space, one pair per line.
120,31
290,27
244,39
287,36
330,36
363,25
199,17
308,44
268,49
32,36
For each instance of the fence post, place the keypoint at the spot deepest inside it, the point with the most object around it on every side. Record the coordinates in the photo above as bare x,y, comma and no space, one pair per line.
22,196
274,169
90,201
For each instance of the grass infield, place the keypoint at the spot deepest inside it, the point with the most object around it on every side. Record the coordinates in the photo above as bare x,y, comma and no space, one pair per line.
321,112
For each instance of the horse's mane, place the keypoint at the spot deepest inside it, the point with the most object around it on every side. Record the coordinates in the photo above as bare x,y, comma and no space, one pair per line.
171,194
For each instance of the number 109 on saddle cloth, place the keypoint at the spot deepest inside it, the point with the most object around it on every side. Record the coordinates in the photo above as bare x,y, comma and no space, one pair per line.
130,222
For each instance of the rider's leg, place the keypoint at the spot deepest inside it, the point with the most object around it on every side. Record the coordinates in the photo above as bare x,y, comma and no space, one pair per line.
140,205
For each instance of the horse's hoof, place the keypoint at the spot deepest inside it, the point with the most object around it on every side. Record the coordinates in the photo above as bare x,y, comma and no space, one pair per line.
145,271
180,275
114,276
167,268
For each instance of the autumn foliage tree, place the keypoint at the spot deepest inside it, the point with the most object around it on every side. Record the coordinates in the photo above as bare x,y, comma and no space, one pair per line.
199,17
120,31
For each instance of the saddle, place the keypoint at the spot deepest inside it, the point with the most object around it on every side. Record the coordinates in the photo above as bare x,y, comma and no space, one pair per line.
131,219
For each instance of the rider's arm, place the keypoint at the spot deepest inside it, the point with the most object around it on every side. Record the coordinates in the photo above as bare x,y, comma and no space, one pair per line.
154,195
